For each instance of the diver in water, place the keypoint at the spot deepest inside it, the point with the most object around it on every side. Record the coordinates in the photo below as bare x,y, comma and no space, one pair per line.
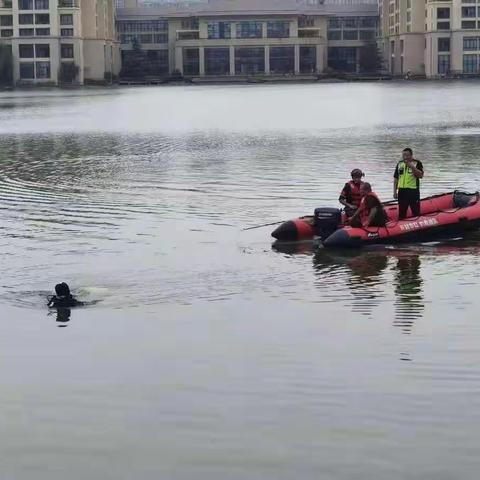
63,298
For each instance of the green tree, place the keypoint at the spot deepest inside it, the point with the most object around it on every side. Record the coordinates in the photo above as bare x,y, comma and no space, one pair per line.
371,60
134,61
67,73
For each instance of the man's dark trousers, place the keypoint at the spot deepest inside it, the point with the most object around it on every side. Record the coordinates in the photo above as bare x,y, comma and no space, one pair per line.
408,197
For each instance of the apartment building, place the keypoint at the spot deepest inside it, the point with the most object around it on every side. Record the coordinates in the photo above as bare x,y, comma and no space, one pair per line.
231,38
435,38
60,41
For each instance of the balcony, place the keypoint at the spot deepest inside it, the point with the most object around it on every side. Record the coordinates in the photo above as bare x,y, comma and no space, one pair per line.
188,35
67,3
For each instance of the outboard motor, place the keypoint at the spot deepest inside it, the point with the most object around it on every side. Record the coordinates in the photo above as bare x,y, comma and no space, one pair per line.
327,220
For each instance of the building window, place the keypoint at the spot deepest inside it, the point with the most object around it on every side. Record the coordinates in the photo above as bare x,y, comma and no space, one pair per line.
66,32
142,26
282,60
334,34
25,4
249,30
6,33
334,23
350,34
41,5
217,61
470,44
444,25
350,22
444,44
443,13
191,61
368,22
66,19
278,29
367,34
160,38
127,39
6,20
217,30
42,50
25,51
66,50
470,64
25,19
190,24
443,64
42,70
27,71
145,38
343,59
469,25
469,12
26,32
306,22
42,32
249,61
308,59
42,19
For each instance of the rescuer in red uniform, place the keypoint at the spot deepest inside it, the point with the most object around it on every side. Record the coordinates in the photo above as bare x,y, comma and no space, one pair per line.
370,212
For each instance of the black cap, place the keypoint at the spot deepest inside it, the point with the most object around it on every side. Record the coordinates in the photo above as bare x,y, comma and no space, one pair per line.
356,172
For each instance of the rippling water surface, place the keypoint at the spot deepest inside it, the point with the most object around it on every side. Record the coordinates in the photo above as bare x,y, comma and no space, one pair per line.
204,351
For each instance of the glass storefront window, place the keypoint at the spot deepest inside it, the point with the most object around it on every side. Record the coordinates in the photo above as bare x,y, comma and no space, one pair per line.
249,60
217,61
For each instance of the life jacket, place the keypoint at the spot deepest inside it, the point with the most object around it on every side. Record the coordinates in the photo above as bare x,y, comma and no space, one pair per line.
406,178
356,196
364,209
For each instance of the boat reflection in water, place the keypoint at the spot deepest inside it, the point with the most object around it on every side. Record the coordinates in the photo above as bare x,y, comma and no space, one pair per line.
383,276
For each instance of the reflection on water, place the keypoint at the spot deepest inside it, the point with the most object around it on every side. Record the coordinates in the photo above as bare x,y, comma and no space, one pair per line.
62,316
409,302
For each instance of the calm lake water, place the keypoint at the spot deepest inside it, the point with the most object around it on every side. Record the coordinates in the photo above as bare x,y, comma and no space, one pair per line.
205,353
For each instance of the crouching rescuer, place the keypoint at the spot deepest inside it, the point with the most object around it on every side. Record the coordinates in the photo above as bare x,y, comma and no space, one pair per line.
371,212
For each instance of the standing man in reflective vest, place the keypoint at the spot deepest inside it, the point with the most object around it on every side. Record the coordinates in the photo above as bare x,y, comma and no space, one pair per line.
350,197
406,184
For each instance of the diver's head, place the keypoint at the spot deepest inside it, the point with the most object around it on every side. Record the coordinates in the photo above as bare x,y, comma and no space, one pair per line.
62,289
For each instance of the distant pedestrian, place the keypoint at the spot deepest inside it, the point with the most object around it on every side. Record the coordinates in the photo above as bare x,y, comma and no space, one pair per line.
406,184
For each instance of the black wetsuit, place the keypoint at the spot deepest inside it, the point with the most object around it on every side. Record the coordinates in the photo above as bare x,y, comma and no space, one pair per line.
64,302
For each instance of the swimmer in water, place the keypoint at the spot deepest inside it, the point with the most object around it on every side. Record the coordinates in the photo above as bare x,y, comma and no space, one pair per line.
63,298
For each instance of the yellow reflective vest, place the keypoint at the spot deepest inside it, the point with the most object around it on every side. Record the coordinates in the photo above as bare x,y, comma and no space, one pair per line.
406,178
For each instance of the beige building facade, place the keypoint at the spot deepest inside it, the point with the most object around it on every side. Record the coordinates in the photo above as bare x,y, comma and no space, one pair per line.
60,41
229,38
435,38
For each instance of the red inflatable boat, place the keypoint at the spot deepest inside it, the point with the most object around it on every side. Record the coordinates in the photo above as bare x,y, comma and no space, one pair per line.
444,215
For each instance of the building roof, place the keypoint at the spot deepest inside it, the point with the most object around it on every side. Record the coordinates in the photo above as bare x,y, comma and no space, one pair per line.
255,7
